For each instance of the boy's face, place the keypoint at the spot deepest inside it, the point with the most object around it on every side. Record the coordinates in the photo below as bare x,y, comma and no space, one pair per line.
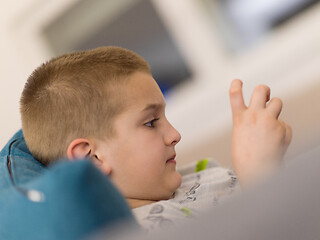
142,152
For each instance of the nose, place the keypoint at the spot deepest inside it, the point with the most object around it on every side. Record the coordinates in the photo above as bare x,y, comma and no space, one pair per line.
172,137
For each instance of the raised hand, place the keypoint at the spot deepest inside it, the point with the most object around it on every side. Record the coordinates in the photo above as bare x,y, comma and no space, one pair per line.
259,138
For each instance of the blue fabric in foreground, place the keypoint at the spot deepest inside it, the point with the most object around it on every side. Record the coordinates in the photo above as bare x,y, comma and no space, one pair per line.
69,200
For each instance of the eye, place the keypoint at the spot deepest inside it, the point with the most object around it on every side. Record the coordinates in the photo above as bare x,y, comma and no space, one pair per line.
151,123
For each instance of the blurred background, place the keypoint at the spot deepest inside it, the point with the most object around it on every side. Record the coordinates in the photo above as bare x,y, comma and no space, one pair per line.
195,48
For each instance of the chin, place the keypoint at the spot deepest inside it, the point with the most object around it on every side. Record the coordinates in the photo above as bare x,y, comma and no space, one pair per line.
176,182
179,180
170,189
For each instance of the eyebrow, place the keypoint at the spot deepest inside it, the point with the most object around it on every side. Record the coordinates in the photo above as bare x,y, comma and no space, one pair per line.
153,106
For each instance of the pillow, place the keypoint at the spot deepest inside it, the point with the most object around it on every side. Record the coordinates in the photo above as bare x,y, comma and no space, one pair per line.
22,165
69,200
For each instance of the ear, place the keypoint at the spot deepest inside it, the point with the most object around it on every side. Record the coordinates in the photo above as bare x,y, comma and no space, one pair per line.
81,148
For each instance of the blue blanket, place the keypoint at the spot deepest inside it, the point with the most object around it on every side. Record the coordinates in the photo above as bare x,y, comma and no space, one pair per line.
69,200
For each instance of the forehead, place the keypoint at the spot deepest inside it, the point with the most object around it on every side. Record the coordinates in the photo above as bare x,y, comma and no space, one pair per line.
141,91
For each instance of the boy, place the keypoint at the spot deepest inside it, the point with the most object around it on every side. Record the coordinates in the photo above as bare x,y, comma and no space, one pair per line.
104,105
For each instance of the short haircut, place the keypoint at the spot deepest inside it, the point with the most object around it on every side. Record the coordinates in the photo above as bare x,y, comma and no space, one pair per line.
74,96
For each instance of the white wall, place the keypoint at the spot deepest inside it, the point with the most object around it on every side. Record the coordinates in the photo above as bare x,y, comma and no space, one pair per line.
13,70
288,61
22,50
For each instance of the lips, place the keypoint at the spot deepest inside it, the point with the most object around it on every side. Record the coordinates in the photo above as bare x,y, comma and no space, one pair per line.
171,159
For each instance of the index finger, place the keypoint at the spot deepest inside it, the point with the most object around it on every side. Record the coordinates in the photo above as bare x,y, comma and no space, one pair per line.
236,97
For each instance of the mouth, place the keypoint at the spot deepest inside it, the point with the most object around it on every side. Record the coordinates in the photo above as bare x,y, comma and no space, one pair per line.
172,160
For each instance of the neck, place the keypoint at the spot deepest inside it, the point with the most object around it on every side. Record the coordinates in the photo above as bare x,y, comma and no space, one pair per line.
134,203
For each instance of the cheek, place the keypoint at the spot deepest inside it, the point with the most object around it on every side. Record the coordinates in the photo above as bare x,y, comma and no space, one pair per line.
140,151
146,158
145,144
148,161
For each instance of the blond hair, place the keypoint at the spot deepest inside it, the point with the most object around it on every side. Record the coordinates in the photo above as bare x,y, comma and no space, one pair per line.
73,96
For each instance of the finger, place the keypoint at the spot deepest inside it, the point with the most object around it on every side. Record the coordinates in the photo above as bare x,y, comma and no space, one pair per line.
275,106
288,135
236,97
260,97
